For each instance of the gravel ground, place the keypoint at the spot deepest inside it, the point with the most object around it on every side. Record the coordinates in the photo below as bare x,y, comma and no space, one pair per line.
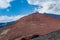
50,36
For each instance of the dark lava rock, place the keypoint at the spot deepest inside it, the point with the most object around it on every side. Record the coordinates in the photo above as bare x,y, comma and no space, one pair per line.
50,36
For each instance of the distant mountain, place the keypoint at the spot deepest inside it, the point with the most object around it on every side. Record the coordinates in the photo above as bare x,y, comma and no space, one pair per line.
5,24
53,15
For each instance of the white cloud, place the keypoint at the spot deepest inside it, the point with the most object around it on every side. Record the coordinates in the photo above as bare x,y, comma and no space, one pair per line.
5,4
10,18
48,6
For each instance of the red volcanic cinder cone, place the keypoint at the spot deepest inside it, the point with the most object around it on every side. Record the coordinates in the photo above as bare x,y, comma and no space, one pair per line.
33,24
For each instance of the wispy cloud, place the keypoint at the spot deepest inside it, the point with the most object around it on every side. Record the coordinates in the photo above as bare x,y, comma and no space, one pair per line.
48,6
10,18
5,4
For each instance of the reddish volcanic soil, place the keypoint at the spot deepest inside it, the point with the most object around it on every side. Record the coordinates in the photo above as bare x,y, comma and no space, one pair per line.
33,24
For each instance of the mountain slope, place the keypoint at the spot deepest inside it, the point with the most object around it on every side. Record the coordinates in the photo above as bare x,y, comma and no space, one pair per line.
33,24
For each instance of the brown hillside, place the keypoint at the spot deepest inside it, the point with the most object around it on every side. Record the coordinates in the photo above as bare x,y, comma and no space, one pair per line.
33,24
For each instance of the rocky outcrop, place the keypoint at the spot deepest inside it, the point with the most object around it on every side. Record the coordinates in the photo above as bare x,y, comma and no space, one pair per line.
50,36
33,24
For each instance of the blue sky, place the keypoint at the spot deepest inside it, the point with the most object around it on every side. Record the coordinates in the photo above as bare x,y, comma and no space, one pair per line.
18,7
11,10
